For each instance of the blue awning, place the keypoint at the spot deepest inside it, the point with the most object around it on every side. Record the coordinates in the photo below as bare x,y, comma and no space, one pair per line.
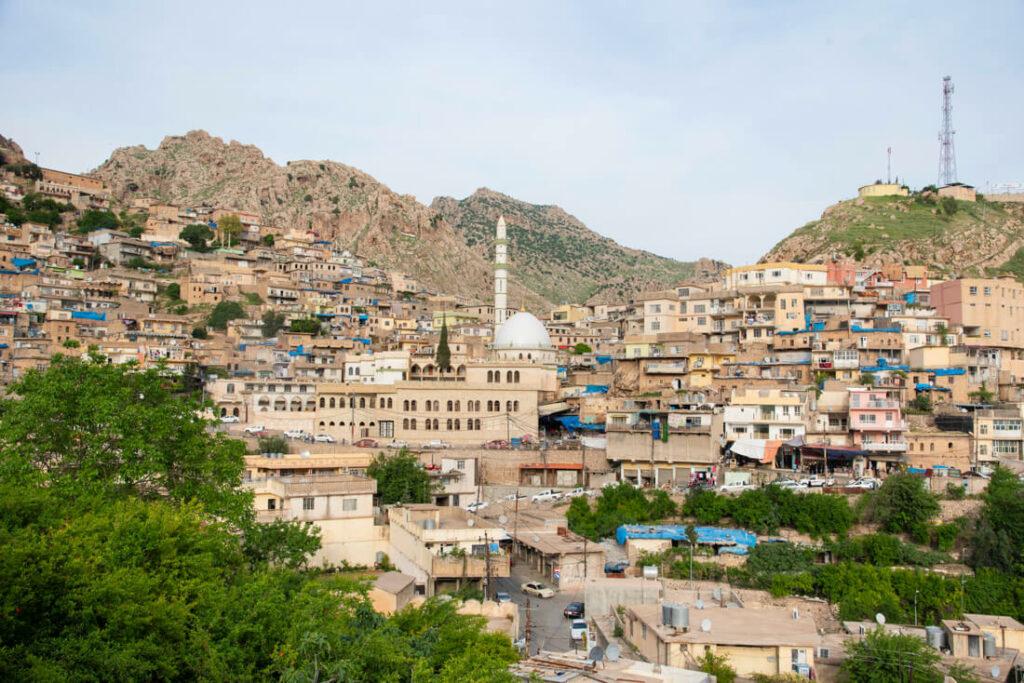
21,263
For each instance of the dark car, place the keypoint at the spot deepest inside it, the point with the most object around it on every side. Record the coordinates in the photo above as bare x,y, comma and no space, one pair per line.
615,567
574,610
365,443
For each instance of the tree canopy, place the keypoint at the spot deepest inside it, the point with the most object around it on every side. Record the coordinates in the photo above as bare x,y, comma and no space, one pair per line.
272,323
901,503
443,358
998,538
98,219
400,478
891,658
617,505
223,313
198,235
229,228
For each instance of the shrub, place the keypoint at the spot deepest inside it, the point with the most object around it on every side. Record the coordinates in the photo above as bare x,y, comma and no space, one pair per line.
901,503
224,312
272,444
955,491
93,219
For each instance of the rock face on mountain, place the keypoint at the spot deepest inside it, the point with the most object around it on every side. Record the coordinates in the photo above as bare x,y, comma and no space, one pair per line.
446,245
10,152
565,260
959,238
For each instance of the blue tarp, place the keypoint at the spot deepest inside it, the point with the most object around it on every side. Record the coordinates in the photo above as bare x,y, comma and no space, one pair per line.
22,263
858,328
603,360
739,541
572,423
362,340
88,315
298,351
596,389
882,365
947,372
924,386
363,317
345,281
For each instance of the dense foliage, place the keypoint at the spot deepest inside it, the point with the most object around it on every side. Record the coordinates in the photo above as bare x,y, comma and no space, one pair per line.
400,478
98,219
768,509
130,554
998,539
305,325
618,505
223,313
883,657
198,235
272,323
35,208
901,504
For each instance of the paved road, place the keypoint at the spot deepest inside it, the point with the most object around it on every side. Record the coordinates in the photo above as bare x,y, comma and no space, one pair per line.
549,628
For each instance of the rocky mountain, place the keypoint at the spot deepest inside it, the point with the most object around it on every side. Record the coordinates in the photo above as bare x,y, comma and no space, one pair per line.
444,245
10,152
959,238
563,259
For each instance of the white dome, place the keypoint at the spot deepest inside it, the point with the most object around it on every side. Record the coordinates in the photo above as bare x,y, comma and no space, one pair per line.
522,331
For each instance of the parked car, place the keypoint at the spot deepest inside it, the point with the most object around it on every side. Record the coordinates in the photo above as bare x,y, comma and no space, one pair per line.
548,495
398,443
616,567
496,444
477,506
866,483
297,434
817,482
577,492
577,629
502,597
365,443
516,496
438,443
255,429
324,438
230,419
538,589
789,484
735,487
574,610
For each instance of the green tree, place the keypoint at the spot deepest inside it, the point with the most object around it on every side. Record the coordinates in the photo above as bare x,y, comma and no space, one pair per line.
400,478
717,666
997,539
922,403
200,332
581,348
173,291
272,444
268,240
272,323
97,219
305,325
224,312
86,427
948,206
229,228
982,394
866,378
443,357
198,235
901,503
891,658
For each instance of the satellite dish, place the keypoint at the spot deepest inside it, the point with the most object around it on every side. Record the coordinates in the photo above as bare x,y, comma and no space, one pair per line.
880,618
502,519
470,522
995,672
535,538
705,626
699,604
596,654
613,652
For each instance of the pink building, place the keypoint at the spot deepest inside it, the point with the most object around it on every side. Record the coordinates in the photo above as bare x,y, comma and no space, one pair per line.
876,423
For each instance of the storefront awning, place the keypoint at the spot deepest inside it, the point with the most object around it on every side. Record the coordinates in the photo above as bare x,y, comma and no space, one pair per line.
761,450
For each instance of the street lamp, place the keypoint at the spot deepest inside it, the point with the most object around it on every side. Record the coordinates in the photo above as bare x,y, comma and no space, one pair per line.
916,591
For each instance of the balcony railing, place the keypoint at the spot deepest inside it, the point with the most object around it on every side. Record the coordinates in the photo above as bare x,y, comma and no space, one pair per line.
450,567
885,446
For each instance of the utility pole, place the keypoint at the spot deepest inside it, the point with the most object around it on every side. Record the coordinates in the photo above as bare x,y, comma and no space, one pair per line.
585,563
529,627
888,165
508,427
352,420
487,566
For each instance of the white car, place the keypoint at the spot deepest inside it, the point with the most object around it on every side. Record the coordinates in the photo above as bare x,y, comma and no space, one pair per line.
735,487
438,443
516,496
538,589
866,483
476,507
323,438
398,444
577,492
790,484
296,434
577,629
255,429
817,482
544,496
230,419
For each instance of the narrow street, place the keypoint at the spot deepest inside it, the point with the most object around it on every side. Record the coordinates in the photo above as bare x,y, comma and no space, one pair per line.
549,628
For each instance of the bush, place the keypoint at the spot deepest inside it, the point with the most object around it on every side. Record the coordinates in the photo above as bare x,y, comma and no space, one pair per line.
174,291
901,503
273,444
955,491
948,206
94,219
618,505
717,666
224,312
306,325
200,333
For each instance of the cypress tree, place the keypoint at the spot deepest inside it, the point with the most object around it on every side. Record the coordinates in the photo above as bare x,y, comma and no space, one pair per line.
444,354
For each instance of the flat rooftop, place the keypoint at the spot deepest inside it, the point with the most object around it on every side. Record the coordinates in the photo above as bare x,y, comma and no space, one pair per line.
756,627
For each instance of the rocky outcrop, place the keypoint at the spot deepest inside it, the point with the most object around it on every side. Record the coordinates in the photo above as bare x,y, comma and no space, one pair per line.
555,257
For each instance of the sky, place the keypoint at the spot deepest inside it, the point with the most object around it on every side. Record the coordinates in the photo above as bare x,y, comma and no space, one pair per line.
685,128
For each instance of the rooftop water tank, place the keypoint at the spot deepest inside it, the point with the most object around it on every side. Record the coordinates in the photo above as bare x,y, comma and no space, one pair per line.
990,645
936,637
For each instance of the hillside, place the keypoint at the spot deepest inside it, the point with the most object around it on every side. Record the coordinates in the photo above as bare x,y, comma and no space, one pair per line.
443,245
976,238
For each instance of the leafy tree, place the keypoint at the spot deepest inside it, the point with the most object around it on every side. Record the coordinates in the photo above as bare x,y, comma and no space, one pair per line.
922,403
98,219
253,299
891,658
982,394
997,540
618,505
71,344
200,332
272,323
85,427
948,206
581,348
400,478
305,325
174,291
775,558
223,313
136,231
901,503
229,228
443,357
717,666
268,240
867,378
198,235
272,444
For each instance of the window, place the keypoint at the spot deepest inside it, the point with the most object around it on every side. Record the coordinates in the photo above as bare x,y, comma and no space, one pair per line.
349,504
271,504
460,464
386,428
655,326
307,503
973,291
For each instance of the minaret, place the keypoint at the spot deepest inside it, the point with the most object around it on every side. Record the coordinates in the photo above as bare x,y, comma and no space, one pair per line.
500,275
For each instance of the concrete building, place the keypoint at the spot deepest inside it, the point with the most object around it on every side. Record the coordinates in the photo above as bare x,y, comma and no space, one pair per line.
990,311
998,434
881,189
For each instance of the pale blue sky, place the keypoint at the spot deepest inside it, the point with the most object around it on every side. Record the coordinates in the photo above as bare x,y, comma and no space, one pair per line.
689,129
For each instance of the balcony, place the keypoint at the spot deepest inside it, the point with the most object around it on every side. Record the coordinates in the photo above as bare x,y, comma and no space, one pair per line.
885,446
667,368
450,567
893,426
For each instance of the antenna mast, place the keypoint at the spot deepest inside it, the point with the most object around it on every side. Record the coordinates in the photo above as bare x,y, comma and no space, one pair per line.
888,165
947,151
